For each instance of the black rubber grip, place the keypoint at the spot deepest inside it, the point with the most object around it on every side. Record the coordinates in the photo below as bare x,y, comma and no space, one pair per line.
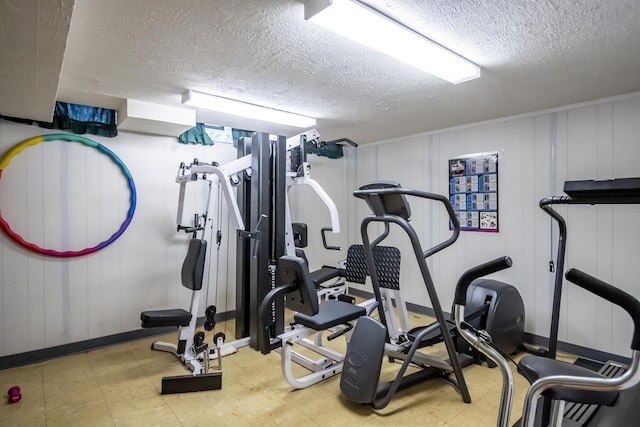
478,271
611,294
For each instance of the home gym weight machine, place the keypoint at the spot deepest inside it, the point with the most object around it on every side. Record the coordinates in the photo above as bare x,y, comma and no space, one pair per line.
260,212
497,307
262,199
259,274
191,347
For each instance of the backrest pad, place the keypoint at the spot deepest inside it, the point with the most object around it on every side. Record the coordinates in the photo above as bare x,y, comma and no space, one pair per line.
193,265
303,298
386,259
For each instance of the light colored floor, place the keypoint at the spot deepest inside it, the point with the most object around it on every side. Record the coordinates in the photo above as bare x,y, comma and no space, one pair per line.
120,386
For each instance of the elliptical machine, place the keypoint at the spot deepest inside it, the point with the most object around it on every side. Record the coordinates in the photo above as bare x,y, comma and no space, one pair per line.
497,306
560,381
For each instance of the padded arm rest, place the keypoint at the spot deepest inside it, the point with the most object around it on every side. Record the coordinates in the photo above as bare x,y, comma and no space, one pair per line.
325,274
159,318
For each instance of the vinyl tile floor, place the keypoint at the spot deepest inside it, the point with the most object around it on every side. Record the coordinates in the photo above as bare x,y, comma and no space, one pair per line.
120,386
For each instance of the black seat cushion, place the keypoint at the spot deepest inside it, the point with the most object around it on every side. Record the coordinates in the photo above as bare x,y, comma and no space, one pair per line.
325,274
159,318
331,313
535,367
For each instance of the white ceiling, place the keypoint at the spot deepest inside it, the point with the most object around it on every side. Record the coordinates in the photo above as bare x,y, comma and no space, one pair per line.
534,54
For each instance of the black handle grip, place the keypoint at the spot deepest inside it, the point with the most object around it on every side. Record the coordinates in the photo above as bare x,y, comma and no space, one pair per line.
478,271
611,294
323,230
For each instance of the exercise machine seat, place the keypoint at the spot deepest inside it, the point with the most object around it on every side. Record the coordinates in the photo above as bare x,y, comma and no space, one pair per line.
302,298
192,274
325,274
535,367
331,313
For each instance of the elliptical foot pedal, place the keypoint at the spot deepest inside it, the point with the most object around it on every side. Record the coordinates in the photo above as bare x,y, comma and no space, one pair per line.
363,361
191,383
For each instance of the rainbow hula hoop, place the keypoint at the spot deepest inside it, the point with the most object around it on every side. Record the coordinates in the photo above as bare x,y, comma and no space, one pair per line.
17,149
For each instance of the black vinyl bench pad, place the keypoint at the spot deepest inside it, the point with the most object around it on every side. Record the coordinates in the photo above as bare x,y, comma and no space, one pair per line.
331,313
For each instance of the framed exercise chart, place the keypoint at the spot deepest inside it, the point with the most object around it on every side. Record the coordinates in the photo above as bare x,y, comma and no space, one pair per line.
473,191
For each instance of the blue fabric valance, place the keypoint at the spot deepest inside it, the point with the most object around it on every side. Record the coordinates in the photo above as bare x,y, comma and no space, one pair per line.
196,135
199,135
78,119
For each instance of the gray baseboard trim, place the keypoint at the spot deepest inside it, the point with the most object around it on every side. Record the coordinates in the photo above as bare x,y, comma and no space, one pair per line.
36,356
576,350
42,355
531,339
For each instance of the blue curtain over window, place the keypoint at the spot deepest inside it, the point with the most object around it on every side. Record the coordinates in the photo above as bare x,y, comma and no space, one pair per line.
239,133
196,135
199,135
78,119
330,150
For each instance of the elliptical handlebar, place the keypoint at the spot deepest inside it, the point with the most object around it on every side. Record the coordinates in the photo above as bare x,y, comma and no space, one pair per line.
480,342
613,295
630,378
470,275
377,197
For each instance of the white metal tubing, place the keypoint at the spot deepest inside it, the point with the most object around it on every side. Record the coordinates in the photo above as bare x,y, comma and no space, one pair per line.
294,141
325,367
333,211
289,243
224,174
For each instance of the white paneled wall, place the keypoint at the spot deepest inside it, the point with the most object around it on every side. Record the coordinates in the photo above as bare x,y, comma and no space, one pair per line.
537,153
64,195
57,194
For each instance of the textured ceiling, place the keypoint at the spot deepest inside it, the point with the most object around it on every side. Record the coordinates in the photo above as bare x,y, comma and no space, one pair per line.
534,54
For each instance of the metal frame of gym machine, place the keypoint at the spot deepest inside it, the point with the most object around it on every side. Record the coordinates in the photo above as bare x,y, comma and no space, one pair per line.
260,210
389,206
583,192
264,205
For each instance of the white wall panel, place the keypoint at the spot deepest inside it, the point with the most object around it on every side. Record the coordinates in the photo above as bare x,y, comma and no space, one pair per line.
578,321
537,289
538,153
47,302
63,195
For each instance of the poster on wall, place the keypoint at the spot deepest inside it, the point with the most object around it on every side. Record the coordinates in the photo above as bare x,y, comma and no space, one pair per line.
473,191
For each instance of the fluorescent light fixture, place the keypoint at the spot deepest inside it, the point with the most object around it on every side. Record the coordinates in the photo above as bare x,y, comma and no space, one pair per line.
354,20
243,109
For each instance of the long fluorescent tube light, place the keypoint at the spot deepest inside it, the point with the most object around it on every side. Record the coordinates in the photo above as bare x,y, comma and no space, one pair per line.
354,20
243,109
